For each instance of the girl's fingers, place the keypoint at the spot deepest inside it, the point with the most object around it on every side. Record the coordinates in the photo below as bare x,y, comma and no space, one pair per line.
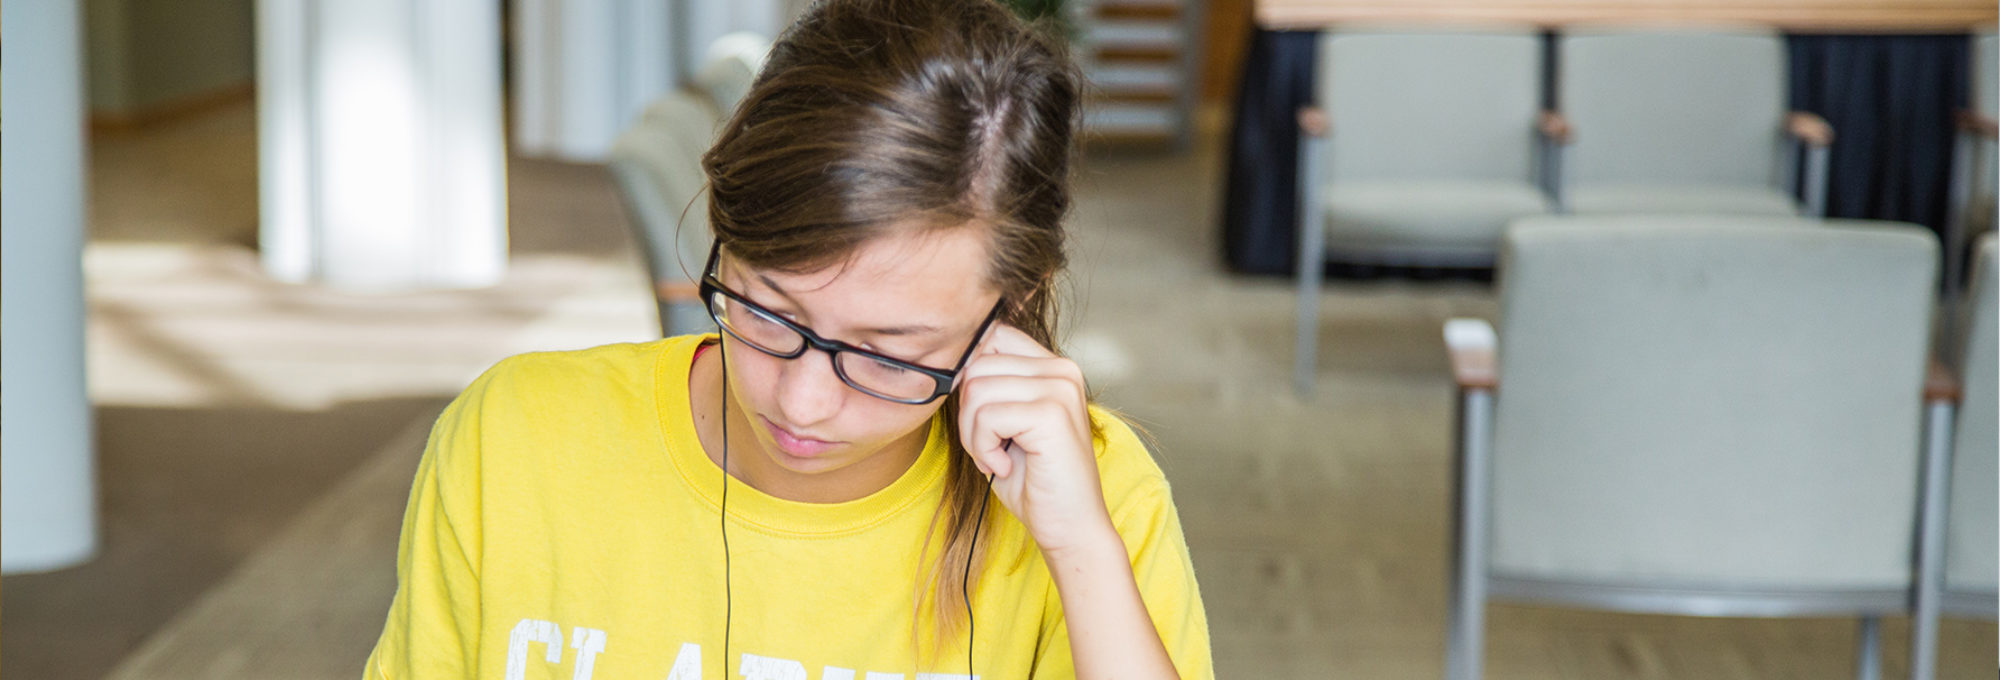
1006,339
1013,364
987,447
1009,351
1015,390
997,424
997,388
994,389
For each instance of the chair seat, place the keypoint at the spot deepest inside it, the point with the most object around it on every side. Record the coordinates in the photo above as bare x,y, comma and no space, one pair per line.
1727,199
1451,217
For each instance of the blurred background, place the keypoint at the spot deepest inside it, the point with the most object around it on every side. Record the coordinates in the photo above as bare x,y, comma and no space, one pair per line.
1733,261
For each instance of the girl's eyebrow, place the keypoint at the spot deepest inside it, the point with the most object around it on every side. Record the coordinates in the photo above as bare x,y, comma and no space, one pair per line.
773,285
905,330
915,329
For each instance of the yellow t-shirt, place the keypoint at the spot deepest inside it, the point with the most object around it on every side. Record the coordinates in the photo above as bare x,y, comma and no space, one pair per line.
564,523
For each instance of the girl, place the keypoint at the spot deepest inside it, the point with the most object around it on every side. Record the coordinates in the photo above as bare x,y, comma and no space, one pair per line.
806,495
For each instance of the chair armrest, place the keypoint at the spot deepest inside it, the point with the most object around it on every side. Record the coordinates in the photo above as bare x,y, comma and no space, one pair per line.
1939,383
1972,122
1553,126
1314,122
1472,344
676,290
1809,128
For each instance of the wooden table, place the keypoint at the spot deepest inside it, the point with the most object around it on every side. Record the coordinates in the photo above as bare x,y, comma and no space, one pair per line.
1798,16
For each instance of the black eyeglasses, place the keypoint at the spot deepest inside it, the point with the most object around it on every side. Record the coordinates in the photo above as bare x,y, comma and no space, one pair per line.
874,374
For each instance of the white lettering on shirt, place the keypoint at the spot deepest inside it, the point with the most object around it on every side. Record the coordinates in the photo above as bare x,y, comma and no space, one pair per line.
588,643
527,631
687,664
770,668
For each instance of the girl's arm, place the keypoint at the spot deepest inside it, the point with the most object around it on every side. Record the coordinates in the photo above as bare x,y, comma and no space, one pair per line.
1025,420
1109,630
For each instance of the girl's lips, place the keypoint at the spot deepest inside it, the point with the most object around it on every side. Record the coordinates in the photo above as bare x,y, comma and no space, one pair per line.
793,444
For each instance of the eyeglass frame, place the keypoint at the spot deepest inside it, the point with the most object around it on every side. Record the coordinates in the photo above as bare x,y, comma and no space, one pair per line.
710,286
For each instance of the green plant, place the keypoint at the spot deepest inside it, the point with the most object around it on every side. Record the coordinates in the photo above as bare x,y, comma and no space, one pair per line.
1051,11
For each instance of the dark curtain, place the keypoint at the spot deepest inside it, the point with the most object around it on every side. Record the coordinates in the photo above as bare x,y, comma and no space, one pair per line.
1260,204
1889,98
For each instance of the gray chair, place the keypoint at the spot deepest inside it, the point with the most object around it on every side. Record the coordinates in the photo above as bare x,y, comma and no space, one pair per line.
1419,151
1959,563
1971,576
1704,415
657,165
731,67
1667,121
1976,164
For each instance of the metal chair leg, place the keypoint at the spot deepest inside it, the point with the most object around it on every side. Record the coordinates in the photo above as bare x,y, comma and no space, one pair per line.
1954,216
1311,264
1465,641
1305,348
1816,178
1868,652
1927,592
1555,180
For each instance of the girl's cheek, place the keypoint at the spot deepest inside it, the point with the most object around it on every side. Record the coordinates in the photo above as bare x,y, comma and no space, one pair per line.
906,418
750,373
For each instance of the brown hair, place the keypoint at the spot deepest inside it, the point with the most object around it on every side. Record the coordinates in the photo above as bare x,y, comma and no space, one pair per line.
871,115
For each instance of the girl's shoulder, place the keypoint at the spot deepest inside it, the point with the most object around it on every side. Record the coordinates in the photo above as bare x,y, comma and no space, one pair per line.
595,372
1125,463
616,359
542,419
609,388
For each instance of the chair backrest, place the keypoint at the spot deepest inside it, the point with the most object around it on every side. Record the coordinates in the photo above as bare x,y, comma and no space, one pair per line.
1972,539
1710,402
1673,106
730,68
657,164
1430,105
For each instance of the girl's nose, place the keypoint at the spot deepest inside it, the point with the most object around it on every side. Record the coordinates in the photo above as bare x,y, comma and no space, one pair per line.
809,391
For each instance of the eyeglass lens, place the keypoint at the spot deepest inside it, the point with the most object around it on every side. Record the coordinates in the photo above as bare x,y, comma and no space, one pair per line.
765,331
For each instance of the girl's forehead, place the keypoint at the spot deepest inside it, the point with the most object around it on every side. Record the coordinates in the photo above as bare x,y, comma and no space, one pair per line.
919,276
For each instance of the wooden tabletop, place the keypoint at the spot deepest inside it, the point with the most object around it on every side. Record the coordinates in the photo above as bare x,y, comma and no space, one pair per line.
1805,16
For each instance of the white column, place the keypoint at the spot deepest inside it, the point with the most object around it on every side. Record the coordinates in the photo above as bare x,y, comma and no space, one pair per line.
48,506
382,157
584,69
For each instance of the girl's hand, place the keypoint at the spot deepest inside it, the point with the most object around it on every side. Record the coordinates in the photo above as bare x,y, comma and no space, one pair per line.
1016,389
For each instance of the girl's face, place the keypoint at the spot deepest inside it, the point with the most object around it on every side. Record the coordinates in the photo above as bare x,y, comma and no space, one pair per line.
914,295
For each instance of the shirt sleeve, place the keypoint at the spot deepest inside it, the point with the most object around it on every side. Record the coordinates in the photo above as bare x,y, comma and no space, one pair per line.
1165,572
433,624
1151,528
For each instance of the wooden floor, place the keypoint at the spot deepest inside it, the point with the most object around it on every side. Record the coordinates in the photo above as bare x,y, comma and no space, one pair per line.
260,438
